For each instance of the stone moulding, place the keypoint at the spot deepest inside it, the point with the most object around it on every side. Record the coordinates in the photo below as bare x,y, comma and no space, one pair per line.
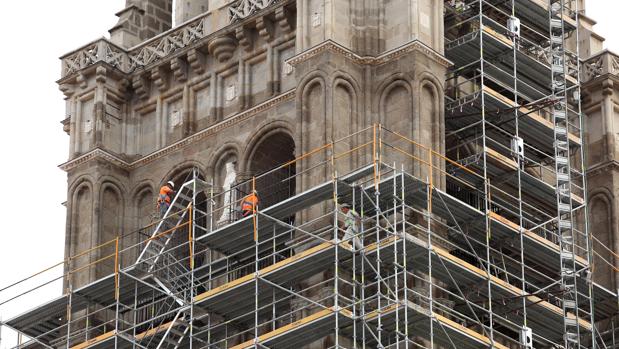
157,48
98,153
383,58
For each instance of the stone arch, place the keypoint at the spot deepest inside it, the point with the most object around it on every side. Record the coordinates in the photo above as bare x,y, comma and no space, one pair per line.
111,208
313,111
180,175
224,200
601,223
144,211
229,151
396,115
396,107
176,173
264,131
81,229
272,146
345,120
314,128
431,125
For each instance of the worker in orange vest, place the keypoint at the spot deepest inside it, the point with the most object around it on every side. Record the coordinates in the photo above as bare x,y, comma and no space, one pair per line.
249,203
165,198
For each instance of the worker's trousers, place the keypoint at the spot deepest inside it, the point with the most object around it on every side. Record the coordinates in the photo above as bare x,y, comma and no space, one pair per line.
163,208
351,235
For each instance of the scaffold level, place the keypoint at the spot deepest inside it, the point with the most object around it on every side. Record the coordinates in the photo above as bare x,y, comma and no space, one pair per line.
433,269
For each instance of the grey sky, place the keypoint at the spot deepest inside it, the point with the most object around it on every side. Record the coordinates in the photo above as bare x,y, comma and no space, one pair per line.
33,35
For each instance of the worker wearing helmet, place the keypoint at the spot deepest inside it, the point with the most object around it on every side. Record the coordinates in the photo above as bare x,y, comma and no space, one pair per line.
165,198
249,203
352,222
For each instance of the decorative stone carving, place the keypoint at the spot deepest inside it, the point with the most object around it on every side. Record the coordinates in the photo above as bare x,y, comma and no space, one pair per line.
66,125
222,48
179,69
141,87
196,60
67,89
101,73
123,85
81,80
159,78
229,196
601,64
243,36
283,19
244,8
265,28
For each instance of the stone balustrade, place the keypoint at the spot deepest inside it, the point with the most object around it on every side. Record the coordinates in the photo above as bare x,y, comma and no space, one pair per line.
603,63
163,45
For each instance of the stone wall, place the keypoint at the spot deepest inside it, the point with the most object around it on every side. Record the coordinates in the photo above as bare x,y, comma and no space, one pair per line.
277,78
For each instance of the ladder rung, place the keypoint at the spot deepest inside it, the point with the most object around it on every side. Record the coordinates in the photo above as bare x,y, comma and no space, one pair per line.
569,304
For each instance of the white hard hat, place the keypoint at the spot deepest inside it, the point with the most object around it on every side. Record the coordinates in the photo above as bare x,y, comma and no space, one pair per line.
171,183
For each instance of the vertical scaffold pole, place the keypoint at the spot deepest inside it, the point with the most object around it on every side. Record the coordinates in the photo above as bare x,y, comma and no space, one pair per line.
405,265
192,233
429,236
116,291
69,311
378,279
362,281
336,279
354,271
397,239
485,167
256,250
519,161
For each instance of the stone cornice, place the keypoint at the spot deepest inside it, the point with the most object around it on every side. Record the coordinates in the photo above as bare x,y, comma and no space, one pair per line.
95,154
602,167
100,154
383,58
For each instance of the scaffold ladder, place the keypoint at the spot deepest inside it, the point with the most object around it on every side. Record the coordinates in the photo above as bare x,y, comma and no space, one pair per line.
174,217
565,218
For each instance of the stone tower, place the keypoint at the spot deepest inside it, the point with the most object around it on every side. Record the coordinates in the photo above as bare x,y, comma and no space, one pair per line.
601,73
252,83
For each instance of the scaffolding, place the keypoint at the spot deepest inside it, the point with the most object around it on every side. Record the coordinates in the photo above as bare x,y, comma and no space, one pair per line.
485,246
432,270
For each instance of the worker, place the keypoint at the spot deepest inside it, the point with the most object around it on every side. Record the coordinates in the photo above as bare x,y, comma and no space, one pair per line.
352,221
165,198
249,203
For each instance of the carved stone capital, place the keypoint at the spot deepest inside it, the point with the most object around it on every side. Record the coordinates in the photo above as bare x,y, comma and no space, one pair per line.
265,28
196,60
222,48
244,37
141,86
179,69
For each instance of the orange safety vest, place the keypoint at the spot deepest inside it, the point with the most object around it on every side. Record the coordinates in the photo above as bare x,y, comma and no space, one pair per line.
164,195
249,203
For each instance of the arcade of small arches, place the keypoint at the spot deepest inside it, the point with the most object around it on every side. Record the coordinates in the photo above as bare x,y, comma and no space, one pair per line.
104,198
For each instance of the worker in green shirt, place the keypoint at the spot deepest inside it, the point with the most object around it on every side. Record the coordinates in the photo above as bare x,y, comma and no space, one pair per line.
352,222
